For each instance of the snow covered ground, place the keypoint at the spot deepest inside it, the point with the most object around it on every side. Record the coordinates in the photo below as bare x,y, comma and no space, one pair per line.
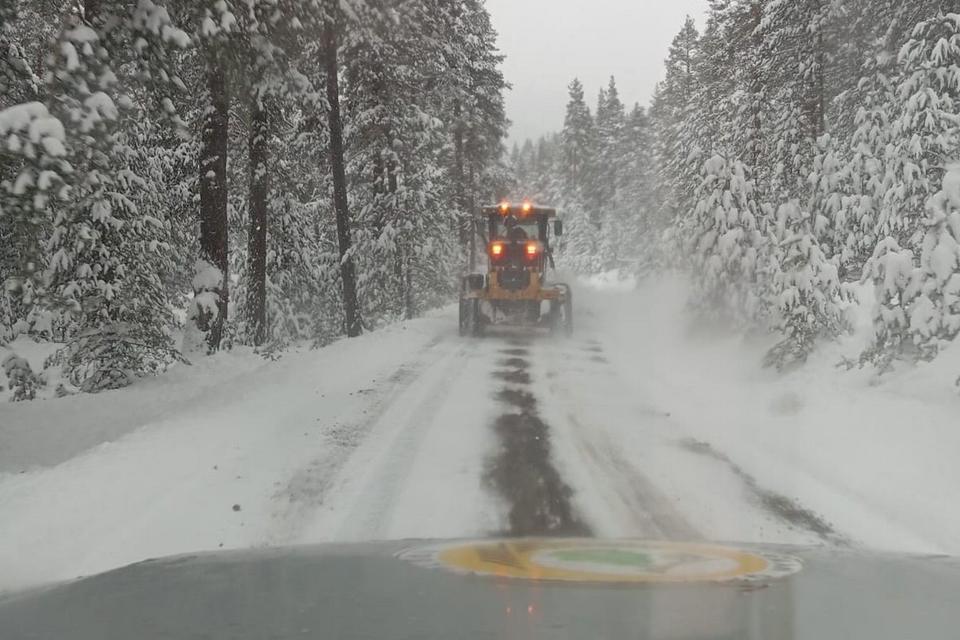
640,425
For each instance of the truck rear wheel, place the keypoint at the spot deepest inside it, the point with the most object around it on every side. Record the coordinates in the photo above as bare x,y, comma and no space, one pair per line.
477,326
471,321
568,314
561,313
464,320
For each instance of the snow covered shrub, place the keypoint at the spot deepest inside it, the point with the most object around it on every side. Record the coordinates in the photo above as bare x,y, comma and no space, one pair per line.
61,391
23,382
892,271
204,307
807,289
113,356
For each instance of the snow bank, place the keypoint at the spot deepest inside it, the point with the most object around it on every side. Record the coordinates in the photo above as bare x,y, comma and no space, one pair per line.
48,432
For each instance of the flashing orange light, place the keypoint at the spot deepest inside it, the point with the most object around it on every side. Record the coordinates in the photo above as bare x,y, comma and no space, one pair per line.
527,207
496,249
532,249
504,207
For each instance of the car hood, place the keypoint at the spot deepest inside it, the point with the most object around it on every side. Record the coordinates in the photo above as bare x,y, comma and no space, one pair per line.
503,589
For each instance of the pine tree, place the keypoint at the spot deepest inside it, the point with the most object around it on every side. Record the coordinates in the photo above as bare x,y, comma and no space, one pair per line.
578,141
805,285
713,91
578,172
678,155
725,244
796,69
639,236
610,175
857,224
935,314
924,130
865,110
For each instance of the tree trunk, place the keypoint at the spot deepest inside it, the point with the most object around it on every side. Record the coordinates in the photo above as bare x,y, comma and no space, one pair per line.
257,232
756,85
398,276
348,274
820,98
473,221
458,176
213,194
91,11
409,304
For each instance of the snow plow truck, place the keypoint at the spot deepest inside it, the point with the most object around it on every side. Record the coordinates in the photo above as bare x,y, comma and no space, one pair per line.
515,290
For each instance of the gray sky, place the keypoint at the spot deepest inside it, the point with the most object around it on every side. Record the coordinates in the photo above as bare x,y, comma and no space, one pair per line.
549,42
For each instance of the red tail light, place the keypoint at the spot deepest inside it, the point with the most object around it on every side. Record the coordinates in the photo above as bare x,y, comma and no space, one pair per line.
496,250
532,249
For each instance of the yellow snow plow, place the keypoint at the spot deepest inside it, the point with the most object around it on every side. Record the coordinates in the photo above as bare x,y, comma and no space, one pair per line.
515,289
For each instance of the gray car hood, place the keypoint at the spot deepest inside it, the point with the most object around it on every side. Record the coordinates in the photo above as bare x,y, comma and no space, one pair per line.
496,589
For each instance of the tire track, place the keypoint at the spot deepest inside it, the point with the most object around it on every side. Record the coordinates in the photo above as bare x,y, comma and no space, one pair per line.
636,501
308,487
786,509
372,507
649,512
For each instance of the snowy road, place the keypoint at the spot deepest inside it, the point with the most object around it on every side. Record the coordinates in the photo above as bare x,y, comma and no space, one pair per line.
634,427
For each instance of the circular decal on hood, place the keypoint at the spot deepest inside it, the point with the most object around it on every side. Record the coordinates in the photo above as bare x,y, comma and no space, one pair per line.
605,561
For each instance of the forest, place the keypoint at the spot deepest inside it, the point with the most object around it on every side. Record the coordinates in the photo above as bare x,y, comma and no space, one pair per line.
242,172
180,177
796,154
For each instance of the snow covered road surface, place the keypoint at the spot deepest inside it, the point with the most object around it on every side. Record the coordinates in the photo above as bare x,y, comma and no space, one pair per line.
634,427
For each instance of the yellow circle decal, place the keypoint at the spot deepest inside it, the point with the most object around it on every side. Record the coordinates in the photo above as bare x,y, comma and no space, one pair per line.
612,562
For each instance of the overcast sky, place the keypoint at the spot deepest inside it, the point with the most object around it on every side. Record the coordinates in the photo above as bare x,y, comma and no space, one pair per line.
549,42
